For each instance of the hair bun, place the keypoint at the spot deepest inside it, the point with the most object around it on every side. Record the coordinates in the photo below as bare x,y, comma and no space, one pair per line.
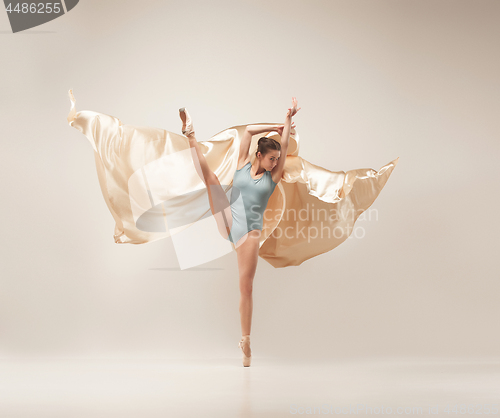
265,144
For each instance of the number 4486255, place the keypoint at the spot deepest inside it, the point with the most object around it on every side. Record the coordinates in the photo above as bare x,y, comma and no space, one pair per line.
32,8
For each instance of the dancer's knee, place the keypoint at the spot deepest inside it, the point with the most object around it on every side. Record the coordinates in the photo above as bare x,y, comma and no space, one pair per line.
246,289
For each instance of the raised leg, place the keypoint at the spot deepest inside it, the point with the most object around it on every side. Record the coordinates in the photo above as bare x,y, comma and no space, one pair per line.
219,203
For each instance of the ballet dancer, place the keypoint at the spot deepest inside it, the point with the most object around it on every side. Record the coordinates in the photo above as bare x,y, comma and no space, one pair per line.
253,184
240,221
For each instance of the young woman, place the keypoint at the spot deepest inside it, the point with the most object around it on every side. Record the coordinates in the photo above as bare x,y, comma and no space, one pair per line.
134,164
240,221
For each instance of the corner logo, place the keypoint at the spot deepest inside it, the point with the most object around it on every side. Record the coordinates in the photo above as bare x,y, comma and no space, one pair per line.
25,15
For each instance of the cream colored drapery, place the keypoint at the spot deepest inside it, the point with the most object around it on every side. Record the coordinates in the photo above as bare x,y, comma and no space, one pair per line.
152,189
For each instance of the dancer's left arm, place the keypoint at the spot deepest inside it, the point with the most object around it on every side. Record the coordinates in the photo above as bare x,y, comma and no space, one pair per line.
285,136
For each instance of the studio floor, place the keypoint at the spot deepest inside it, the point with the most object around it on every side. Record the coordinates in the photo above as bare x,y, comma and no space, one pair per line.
269,388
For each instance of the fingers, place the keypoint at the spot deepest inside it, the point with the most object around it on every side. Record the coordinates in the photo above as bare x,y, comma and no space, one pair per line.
293,110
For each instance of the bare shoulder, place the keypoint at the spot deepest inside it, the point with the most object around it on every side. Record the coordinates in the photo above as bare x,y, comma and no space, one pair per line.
242,163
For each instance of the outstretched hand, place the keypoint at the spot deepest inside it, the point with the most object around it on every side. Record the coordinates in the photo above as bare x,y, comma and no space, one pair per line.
292,111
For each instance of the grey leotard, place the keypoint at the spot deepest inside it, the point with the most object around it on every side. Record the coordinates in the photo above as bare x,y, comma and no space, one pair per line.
249,199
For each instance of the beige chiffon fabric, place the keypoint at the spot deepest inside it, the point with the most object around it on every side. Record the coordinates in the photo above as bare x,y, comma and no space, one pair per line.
151,187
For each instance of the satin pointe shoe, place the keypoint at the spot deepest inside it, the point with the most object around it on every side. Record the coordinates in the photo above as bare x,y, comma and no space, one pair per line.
244,344
187,123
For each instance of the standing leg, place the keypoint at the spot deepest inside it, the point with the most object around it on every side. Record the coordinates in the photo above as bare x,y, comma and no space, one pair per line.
247,254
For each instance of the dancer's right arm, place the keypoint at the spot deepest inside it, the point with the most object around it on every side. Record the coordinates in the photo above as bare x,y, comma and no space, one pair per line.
246,140
259,129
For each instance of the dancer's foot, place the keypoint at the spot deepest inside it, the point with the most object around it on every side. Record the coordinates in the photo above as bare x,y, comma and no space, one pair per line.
244,344
187,124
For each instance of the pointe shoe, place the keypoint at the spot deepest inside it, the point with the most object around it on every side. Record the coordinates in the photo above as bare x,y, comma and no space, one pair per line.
186,122
245,343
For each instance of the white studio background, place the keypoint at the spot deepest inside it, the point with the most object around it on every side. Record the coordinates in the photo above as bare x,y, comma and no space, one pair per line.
376,80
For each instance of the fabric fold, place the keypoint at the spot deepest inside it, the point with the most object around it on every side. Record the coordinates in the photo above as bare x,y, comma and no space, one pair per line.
151,187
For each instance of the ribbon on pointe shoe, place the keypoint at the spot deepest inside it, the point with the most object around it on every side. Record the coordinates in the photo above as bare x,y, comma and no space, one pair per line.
240,344
189,123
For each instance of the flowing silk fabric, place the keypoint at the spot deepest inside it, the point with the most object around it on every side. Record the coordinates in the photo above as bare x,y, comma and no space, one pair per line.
311,211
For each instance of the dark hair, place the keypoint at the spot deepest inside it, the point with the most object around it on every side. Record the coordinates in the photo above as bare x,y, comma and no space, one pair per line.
266,144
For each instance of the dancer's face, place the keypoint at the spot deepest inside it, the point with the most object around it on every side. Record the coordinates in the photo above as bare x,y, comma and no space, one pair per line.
270,160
